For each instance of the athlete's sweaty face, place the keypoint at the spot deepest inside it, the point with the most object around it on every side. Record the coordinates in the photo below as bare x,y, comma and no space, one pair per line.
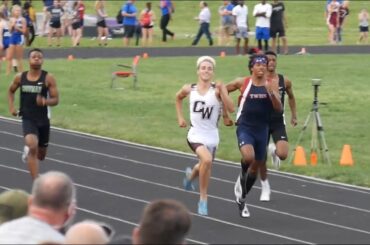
259,69
36,59
205,71
271,65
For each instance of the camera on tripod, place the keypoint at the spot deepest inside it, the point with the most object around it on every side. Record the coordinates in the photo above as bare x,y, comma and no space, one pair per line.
316,81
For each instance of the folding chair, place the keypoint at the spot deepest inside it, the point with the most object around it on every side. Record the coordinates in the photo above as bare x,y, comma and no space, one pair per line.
130,73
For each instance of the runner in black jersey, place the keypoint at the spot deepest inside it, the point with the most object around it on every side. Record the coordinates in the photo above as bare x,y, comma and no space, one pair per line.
278,150
38,91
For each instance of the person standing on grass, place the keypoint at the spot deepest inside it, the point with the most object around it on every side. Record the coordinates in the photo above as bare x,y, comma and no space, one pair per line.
240,14
147,18
101,24
258,100
56,12
206,102
38,91
129,13
204,19
262,12
278,25
4,35
167,10
363,18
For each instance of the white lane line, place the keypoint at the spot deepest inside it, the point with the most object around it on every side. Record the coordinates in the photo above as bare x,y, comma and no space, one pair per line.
196,193
327,183
108,216
213,178
194,214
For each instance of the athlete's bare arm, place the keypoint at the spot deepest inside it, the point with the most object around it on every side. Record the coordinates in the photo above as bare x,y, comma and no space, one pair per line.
225,98
235,84
180,95
53,98
291,101
11,91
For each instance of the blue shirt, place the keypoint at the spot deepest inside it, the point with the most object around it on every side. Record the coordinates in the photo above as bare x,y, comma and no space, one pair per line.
166,9
129,8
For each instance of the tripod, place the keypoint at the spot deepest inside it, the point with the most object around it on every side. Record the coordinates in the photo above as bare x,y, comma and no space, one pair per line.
317,137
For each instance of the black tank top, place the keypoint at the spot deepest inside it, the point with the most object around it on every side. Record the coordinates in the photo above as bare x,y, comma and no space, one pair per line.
28,93
277,116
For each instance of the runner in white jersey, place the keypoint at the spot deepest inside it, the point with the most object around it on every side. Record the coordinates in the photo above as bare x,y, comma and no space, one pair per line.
206,102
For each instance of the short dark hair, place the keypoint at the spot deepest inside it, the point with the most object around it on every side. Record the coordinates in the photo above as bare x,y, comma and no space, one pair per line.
269,52
164,222
34,50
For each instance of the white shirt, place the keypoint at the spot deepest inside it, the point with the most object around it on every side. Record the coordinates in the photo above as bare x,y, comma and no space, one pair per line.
205,111
28,230
241,15
262,21
205,15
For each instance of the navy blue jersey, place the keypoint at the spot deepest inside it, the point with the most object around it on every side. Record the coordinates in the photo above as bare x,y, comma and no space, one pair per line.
257,108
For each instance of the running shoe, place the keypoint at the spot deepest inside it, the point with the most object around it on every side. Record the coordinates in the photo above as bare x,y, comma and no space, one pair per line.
243,209
202,208
274,158
265,191
26,150
188,184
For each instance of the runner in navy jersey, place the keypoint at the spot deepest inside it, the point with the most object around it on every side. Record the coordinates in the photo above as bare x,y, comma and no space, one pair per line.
38,91
259,99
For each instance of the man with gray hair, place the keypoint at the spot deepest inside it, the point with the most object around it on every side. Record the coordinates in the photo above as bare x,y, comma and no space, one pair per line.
50,207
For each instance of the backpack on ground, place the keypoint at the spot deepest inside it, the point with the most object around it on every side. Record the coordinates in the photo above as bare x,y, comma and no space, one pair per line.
119,17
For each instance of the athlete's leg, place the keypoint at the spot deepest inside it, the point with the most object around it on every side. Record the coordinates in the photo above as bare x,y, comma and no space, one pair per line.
205,160
247,152
282,148
195,172
31,142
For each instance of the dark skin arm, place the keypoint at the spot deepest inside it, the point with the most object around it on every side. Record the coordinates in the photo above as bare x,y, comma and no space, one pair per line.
291,101
53,99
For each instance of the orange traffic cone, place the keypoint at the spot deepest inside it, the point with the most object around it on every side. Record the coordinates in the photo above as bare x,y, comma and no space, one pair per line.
145,55
300,157
346,158
222,54
313,158
70,57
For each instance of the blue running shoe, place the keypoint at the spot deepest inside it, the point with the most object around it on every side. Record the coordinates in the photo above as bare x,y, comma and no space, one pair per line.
202,208
188,184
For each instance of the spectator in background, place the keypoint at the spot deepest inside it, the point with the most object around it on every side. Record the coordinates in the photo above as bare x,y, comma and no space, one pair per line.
30,16
76,26
87,232
4,34
167,9
129,12
363,18
56,12
100,22
343,12
204,19
50,208
278,26
262,12
13,205
163,222
17,28
240,13
81,11
333,20
226,28
47,5
147,18
66,19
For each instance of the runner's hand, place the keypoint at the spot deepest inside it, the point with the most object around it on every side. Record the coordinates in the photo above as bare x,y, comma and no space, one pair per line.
40,101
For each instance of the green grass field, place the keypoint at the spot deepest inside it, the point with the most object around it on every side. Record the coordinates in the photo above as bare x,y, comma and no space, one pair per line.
306,22
147,115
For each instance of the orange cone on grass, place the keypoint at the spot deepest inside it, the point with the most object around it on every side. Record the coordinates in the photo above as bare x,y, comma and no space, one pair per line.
222,54
313,158
70,57
346,158
145,55
300,157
